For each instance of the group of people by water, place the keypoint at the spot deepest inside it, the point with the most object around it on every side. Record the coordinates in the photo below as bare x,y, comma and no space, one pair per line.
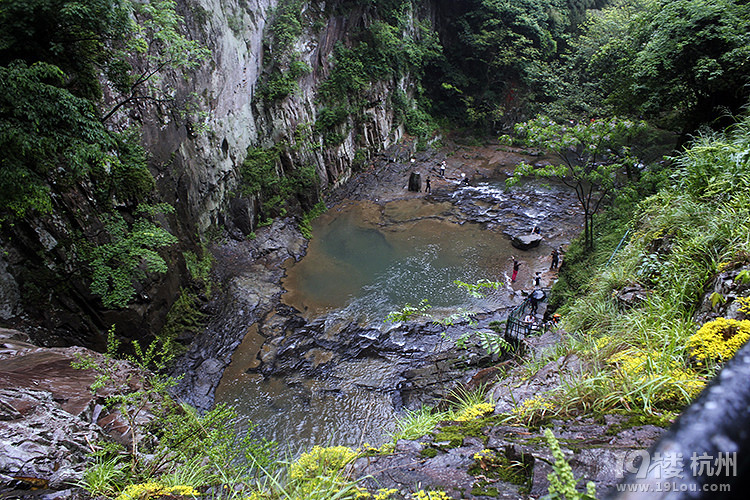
538,294
441,169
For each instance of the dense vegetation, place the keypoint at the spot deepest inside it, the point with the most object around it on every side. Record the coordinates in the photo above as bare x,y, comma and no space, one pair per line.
56,56
649,355
488,65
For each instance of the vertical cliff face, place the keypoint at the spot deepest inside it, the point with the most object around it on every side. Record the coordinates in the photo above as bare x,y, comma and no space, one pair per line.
196,144
198,158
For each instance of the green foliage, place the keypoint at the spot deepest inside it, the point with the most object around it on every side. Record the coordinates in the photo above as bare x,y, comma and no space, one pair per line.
494,343
388,50
281,83
407,111
155,37
188,450
662,58
286,24
591,154
717,166
127,257
478,289
562,483
497,60
641,354
305,223
48,136
71,34
184,319
262,176
416,423
348,77
104,476
408,312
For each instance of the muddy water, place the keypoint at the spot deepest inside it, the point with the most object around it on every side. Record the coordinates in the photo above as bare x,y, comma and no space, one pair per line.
366,260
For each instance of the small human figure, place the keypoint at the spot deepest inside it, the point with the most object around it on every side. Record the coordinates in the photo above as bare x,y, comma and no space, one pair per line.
427,186
534,303
528,322
536,230
442,169
538,279
555,259
516,265
535,298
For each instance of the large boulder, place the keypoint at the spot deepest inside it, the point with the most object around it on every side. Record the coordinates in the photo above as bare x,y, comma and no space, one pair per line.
49,417
526,241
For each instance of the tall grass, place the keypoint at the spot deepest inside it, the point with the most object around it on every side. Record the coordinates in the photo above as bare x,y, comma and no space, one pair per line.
680,238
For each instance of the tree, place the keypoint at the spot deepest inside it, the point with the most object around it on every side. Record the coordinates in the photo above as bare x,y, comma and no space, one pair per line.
71,34
496,52
591,154
55,56
48,137
686,60
154,45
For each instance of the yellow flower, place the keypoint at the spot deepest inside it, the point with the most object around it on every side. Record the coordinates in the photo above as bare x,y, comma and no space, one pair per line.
144,491
719,340
475,411
385,493
321,462
430,495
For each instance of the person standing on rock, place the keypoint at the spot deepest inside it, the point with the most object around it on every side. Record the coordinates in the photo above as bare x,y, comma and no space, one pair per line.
538,279
516,265
555,259
427,186
442,169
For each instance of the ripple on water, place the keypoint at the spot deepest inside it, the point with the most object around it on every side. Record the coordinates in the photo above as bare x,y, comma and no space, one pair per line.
363,262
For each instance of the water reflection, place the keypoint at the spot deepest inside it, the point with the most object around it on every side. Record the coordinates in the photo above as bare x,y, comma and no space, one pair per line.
364,262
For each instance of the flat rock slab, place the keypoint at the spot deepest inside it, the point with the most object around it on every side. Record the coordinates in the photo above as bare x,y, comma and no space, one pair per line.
526,241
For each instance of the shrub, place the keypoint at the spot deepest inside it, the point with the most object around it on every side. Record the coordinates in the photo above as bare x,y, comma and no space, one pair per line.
718,340
144,491
321,462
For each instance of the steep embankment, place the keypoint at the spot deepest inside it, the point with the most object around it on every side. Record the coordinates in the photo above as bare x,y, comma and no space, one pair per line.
197,136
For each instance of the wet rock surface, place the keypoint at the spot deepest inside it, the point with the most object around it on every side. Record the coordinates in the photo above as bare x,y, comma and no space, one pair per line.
595,451
49,418
526,241
454,456
721,299
249,273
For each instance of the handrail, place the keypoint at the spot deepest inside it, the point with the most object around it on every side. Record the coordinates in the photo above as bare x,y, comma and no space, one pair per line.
618,247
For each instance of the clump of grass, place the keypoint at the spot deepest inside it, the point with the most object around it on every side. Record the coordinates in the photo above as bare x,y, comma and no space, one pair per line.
642,357
417,423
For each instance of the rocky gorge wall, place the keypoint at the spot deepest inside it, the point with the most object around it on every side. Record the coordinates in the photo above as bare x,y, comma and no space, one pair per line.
196,145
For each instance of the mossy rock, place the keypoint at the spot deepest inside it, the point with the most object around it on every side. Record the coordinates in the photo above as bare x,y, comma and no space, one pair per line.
454,434
494,464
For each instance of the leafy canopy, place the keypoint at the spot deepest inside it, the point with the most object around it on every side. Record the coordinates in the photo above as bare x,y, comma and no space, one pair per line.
687,61
590,152
49,137
128,256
